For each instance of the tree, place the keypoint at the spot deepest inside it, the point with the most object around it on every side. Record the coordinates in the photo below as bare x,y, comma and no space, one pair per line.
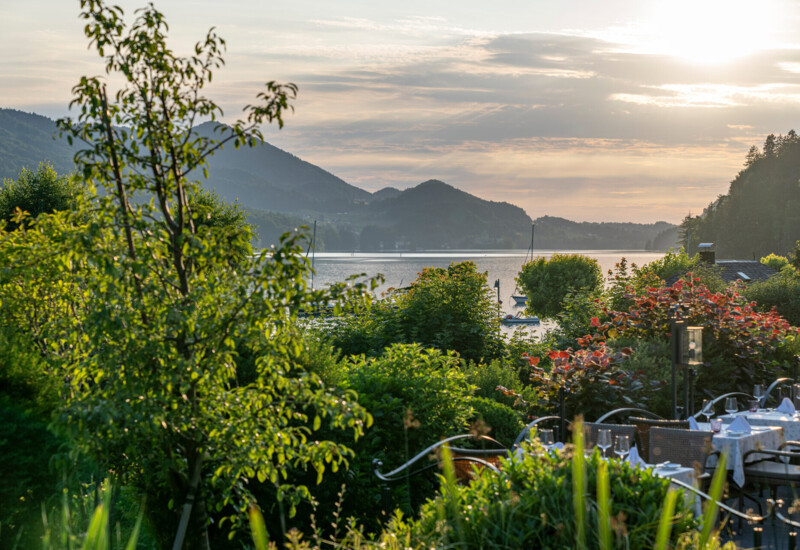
547,282
39,192
154,393
452,309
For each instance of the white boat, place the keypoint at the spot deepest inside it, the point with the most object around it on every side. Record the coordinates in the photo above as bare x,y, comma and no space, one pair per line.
518,319
518,298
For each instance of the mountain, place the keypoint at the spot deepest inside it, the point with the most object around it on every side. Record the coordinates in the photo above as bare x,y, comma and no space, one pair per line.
558,233
27,139
437,215
281,191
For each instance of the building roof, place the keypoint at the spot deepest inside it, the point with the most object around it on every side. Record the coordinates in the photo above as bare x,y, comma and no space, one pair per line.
732,270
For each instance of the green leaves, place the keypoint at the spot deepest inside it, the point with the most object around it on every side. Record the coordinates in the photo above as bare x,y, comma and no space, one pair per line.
547,282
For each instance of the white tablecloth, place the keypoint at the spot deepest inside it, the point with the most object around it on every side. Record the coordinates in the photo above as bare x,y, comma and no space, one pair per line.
789,423
764,437
686,475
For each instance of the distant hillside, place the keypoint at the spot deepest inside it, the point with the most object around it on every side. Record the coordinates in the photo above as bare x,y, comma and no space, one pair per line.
281,191
26,139
558,233
436,215
760,214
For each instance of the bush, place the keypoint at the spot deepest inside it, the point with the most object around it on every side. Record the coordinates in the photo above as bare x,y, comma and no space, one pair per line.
416,397
452,309
547,282
449,309
775,262
781,291
496,420
529,504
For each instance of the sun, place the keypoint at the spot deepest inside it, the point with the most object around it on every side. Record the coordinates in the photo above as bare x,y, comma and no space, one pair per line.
710,31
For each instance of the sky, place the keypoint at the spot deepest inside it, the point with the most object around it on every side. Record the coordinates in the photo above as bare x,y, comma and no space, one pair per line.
620,110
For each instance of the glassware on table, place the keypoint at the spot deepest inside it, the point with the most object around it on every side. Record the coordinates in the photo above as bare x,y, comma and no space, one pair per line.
546,438
731,405
796,395
716,425
753,405
707,409
758,393
604,440
622,446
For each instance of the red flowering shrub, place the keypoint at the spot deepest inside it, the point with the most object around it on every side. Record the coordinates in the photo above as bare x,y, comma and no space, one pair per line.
590,377
740,344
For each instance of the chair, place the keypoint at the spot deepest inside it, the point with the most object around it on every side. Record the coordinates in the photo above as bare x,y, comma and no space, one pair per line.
688,448
643,426
776,468
591,429
465,465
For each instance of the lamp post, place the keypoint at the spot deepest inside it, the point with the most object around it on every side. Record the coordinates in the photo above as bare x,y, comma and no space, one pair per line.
687,353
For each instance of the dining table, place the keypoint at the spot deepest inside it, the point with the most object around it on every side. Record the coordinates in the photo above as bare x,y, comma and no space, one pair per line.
770,417
736,444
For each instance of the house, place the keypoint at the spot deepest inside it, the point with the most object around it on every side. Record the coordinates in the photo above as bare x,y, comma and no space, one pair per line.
746,271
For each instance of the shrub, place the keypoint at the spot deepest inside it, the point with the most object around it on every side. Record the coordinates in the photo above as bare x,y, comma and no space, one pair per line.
547,282
416,397
449,309
775,262
679,263
745,345
496,420
452,309
781,291
529,504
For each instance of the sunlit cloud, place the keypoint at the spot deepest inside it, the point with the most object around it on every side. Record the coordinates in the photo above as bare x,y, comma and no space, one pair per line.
646,116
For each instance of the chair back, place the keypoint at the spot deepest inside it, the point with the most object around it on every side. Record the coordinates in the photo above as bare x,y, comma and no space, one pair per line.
689,448
643,426
591,429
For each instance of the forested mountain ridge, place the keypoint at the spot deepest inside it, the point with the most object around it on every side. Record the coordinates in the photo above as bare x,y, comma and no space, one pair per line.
760,214
280,192
553,232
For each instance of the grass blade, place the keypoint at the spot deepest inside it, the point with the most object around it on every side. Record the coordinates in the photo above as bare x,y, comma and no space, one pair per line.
665,524
579,484
604,506
258,529
715,492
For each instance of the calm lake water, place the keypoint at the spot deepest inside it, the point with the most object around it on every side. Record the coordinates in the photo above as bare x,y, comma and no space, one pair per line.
401,269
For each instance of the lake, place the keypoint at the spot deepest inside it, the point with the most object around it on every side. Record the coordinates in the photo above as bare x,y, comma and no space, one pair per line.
401,268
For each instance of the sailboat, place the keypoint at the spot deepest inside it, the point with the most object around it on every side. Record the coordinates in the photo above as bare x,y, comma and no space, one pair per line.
518,298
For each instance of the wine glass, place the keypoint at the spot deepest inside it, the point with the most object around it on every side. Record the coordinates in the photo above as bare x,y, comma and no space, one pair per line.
546,439
758,393
622,446
731,405
604,440
707,409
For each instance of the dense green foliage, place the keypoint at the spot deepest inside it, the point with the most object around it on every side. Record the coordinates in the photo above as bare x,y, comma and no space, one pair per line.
446,308
760,214
39,192
781,291
775,261
416,397
529,504
547,282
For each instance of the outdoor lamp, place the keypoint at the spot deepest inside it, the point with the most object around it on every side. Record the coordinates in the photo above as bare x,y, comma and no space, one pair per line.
690,345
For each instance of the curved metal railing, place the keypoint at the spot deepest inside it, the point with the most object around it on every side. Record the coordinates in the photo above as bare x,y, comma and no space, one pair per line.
377,464
628,410
772,386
